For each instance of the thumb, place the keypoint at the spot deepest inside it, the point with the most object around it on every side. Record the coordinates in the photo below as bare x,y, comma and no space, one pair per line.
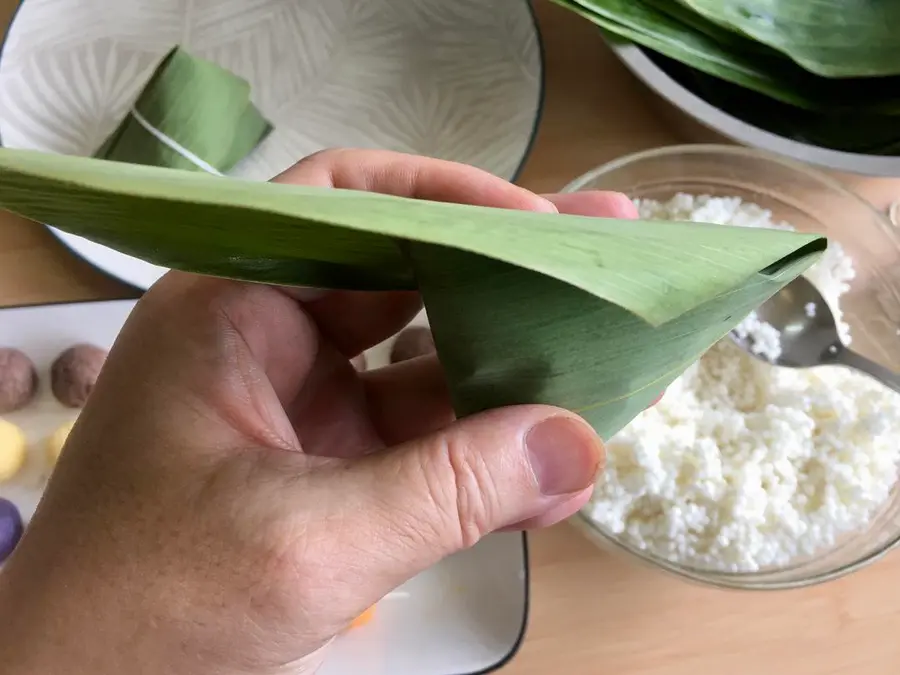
436,495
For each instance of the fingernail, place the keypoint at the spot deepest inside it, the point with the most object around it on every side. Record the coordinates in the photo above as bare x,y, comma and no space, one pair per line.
565,455
625,207
544,205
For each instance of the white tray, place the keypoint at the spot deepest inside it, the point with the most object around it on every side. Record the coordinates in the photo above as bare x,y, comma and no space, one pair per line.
464,616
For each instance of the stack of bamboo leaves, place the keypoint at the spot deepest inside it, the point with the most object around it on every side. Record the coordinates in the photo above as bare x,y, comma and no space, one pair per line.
825,72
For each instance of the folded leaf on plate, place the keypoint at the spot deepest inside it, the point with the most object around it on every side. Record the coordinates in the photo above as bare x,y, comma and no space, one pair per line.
191,115
595,315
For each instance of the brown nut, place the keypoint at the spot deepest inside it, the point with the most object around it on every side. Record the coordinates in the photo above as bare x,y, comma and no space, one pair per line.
412,342
18,380
74,373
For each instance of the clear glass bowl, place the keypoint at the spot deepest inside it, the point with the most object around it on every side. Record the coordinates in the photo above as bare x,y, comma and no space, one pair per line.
811,202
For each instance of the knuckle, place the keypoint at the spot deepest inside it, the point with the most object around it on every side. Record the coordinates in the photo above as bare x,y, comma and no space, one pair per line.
323,156
462,490
317,168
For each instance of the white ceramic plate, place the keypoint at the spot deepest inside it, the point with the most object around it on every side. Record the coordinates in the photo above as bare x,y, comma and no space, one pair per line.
465,615
460,80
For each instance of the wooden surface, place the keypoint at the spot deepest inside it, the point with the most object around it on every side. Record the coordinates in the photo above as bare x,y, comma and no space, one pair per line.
592,613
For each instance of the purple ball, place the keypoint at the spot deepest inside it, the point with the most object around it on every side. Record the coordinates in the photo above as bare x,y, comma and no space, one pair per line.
11,528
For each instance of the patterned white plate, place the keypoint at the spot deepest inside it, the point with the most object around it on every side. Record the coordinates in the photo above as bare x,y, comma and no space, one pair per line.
463,616
459,79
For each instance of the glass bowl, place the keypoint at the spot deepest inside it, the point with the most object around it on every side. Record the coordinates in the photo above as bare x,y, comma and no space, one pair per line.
811,202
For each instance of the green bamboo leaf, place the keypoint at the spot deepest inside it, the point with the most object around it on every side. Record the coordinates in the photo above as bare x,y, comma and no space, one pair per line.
734,58
722,35
857,131
597,315
831,38
642,24
195,104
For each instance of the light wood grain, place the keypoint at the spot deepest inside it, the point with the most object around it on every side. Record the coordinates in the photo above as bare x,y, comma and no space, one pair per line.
593,613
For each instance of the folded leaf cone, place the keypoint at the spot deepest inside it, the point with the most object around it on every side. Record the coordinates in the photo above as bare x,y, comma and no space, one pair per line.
594,315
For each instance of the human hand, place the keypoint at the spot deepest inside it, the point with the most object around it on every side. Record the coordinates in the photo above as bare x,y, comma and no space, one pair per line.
235,492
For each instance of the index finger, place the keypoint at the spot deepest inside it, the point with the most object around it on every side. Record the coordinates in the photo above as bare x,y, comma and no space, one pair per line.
413,176
356,320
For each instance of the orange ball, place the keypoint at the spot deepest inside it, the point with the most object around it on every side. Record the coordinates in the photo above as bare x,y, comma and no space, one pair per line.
364,618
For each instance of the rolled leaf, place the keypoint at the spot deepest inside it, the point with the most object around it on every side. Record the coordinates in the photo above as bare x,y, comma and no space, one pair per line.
595,315
192,115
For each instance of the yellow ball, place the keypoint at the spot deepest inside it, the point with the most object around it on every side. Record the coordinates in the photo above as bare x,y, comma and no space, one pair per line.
57,440
12,450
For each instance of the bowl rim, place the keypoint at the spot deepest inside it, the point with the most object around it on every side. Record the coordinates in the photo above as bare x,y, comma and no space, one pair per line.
726,151
637,61
736,581
748,581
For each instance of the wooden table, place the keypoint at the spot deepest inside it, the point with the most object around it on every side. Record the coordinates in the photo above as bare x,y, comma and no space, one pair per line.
592,613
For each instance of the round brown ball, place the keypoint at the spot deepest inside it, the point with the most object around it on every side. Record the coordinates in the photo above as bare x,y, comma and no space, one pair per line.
411,343
18,380
74,373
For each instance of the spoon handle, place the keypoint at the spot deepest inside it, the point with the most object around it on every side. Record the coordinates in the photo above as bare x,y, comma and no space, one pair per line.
851,359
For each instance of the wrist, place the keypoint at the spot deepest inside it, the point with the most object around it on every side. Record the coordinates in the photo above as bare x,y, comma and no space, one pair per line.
50,629
59,619
62,621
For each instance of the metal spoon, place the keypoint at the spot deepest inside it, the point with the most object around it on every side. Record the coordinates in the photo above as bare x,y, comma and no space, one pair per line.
809,335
